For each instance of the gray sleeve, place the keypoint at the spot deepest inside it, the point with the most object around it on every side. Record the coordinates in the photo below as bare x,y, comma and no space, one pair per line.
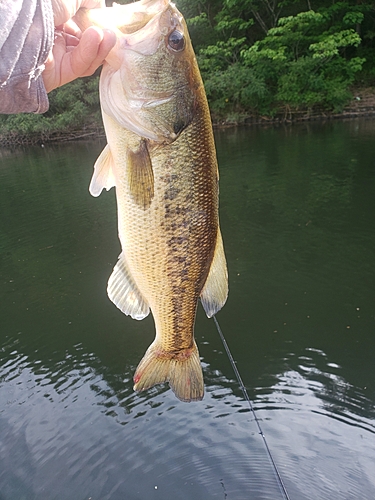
26,38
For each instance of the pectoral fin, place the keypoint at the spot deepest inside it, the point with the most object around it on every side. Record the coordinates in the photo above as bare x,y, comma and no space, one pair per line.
215,290
141,176
103,174
124,293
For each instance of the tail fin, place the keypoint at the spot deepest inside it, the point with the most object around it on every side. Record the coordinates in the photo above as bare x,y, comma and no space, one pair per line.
183,371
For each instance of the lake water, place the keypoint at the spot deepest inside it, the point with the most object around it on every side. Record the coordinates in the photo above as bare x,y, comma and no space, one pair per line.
298,221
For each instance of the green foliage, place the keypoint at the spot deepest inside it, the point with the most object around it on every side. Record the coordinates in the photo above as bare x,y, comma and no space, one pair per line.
308,59
304,63
331,44
234,90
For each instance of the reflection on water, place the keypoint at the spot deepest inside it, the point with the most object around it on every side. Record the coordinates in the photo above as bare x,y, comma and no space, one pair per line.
58,424
322,438
297,214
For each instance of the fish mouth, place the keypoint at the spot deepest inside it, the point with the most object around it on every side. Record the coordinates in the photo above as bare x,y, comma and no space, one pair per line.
142,105
146,39
126,19
135,90
139,14
153,5
134,24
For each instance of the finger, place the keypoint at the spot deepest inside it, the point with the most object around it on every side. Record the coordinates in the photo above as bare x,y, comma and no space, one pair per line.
94,46
107,44
51,73
71,28
86,51
70,40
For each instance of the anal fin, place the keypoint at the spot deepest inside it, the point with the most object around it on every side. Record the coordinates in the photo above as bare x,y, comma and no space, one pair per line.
215,290
124,293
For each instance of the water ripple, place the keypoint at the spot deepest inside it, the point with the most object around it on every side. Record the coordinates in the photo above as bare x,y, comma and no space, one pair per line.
209,438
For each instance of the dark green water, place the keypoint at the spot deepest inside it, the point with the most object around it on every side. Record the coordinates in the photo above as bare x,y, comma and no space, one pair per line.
298,221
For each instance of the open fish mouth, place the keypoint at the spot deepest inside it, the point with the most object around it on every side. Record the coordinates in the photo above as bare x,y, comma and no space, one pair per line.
127,18
154,5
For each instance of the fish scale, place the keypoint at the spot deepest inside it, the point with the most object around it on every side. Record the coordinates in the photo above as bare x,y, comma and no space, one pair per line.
172,261
161,159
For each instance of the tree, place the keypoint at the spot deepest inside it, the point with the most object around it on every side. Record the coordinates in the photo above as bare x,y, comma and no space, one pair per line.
302,61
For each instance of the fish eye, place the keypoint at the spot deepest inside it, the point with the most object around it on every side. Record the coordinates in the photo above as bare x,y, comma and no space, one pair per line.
176,41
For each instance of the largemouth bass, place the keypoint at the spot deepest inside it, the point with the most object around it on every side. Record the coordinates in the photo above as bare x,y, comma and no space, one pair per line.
161,159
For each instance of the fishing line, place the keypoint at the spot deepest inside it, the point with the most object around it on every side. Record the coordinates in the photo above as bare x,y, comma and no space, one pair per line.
246,396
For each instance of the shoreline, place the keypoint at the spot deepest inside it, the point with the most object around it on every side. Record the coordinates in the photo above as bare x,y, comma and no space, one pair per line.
361,106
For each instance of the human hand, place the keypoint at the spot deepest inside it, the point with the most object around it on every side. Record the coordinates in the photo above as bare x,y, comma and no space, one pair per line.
75,53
